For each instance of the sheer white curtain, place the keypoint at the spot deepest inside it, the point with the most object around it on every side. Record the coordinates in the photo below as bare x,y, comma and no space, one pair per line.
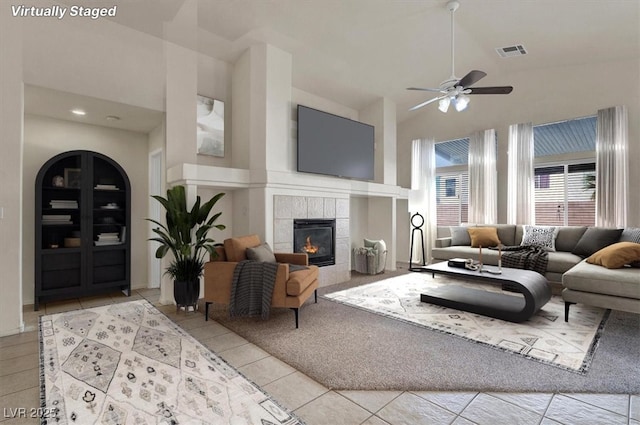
520,188
483,186
612,167
423,178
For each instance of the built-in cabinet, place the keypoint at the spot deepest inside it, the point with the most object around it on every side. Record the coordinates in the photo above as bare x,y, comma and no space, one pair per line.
82,227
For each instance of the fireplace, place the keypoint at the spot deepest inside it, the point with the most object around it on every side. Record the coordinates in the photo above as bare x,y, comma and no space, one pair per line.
316,238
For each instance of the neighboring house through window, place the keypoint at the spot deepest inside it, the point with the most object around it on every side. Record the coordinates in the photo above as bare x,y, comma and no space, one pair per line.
565,172
452,182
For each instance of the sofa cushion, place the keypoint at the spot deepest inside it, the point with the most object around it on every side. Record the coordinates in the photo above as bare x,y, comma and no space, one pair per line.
236,248
300,280
262,253
542,236
594,239
460,236
560,261
506,233
617,255
483,236
624,282
568,237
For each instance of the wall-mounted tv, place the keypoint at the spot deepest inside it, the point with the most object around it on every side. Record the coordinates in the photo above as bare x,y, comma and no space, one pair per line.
333,145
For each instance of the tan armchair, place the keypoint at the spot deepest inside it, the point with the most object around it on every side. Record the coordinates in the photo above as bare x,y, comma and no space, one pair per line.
291,290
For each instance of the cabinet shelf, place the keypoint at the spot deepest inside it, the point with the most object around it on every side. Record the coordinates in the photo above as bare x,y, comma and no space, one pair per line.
61,250
87,269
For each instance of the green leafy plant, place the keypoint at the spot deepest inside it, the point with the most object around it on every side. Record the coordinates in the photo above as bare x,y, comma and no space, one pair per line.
589,183
186,234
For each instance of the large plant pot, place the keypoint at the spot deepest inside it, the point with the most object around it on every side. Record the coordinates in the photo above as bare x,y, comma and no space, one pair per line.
186,293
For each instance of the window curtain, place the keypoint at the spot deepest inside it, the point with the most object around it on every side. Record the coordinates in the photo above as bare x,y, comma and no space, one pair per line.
423,179
483,186
612,167
520,189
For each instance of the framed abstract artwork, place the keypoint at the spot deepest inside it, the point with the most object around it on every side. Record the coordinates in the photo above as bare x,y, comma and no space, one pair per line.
210,126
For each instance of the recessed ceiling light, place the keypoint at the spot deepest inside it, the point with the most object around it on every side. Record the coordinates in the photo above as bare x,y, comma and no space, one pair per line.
78,112
113,118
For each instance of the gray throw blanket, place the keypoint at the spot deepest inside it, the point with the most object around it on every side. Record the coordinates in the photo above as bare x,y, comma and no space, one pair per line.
525,257
252,289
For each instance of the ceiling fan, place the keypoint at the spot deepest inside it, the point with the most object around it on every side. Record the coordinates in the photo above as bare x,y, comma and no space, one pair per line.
455,90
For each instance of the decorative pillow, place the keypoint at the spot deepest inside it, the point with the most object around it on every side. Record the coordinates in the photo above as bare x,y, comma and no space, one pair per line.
483,236
617,255
594,239
262,253
379,246
460,235
631,234
542,236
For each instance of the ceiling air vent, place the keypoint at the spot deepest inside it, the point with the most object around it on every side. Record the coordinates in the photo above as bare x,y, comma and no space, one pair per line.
511,51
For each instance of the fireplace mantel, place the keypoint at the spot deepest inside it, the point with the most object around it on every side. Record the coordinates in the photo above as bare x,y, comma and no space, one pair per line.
238,178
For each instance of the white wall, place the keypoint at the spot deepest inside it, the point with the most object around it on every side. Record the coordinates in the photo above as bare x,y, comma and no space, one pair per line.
46,137
97,58
214,81
540,96
11,117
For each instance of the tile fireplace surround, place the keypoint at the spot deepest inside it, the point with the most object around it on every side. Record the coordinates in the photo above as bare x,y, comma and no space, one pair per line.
288,208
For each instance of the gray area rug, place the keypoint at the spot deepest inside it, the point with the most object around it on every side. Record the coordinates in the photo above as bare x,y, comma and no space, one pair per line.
343,347
545,337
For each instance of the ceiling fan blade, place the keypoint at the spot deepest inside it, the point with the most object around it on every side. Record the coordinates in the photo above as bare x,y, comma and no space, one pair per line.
425,89
471,78
490,90
425,103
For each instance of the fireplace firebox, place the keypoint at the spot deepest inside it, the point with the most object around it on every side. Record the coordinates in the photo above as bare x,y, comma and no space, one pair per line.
316,238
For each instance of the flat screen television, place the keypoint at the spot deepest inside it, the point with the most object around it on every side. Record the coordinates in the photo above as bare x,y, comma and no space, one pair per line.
333,145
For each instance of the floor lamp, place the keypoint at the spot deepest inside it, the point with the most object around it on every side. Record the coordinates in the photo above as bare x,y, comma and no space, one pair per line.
417,221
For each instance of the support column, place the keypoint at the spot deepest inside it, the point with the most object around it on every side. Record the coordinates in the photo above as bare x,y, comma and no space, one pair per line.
261,131
382,115
180,105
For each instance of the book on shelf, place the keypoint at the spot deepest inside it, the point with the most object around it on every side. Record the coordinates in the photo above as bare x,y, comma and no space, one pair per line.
123,234
63,204
106,187
56,219
109,236
104,243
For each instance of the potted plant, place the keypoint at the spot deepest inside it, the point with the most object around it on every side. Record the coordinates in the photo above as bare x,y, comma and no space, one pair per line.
186,236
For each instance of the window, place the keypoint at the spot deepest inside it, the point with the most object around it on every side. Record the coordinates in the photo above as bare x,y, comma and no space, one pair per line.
452,196
452,182
565,188
569,198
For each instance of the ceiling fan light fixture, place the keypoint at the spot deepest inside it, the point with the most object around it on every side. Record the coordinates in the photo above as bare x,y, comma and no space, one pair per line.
461,103
444,103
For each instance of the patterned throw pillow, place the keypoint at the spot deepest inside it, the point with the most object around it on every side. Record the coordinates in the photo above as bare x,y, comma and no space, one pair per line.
542,236
631,234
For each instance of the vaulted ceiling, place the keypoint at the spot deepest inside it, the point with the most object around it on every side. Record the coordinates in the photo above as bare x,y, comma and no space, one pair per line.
356,51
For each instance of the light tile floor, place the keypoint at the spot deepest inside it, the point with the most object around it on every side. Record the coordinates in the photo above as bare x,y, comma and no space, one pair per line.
311,401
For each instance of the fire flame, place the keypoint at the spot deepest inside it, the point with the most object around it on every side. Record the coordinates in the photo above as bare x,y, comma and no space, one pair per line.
309,248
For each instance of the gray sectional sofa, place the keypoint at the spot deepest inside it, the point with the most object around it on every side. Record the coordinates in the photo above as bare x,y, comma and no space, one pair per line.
579,281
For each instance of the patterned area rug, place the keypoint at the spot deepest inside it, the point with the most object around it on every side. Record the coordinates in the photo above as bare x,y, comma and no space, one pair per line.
129,364
546,337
